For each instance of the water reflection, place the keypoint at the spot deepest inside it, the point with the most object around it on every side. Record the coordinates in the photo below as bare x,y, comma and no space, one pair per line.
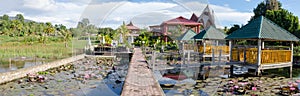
7,65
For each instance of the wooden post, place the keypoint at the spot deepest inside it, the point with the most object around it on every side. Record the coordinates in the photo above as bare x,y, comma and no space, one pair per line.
213,56
291,67
230,50
245,55
231,70
189,56
220,54
183,57
263,45
258,57
204,47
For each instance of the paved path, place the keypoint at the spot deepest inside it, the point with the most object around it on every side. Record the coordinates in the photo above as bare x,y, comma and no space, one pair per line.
140,80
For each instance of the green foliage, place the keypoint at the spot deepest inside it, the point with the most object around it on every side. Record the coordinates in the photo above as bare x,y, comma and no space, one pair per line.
233,28
145,37
30,30
278,15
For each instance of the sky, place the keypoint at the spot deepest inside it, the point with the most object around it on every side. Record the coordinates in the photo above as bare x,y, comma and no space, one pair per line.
112,13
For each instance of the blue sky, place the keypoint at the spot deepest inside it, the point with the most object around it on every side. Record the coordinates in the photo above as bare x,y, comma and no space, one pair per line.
111,13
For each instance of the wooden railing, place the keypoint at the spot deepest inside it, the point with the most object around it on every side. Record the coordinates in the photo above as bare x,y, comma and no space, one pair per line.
208,49
190,47
267,56
275,56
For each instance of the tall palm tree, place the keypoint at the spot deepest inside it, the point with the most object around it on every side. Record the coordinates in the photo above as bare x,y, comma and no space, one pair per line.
123,32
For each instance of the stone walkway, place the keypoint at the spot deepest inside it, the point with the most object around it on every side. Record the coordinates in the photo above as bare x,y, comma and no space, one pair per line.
140,80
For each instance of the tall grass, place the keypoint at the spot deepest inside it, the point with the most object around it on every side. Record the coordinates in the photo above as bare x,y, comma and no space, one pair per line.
11,47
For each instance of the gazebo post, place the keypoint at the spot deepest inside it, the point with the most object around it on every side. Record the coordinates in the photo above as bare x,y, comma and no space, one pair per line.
291,67
230,50
263,44
204,45
258,57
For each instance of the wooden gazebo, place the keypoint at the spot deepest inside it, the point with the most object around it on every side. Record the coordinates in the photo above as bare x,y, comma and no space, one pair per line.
211,41
260,57
186,42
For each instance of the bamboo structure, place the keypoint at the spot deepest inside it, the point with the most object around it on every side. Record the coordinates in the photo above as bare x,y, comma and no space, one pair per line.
260,57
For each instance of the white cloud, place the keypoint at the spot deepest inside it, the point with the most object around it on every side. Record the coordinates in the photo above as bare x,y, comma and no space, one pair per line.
40,4
111,14
14,13
248,0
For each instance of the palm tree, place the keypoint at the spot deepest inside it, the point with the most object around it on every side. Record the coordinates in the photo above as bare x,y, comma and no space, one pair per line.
123,32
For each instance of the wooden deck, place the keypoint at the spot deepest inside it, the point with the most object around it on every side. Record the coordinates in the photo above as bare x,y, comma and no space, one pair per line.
140,80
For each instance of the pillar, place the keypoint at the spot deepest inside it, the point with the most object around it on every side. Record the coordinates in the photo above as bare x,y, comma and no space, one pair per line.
258,57
230,50
204,45
291,67
263,45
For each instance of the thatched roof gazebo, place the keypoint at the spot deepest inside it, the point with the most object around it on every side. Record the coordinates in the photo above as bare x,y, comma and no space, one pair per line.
260,57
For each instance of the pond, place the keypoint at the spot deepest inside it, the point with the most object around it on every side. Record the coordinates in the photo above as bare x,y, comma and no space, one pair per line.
86,77
14,64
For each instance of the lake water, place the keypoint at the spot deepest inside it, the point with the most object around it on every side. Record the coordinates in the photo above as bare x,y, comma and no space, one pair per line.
7,65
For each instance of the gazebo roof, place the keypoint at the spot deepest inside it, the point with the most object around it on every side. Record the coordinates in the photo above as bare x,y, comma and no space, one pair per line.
188,35
262,28
211,33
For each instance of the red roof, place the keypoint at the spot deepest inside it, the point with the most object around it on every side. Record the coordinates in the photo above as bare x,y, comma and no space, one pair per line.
130,26
181,20
194,17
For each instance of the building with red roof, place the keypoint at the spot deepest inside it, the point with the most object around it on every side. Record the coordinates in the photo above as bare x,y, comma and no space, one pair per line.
133,32
179,24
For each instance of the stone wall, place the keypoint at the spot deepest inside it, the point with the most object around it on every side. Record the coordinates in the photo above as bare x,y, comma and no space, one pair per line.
12,75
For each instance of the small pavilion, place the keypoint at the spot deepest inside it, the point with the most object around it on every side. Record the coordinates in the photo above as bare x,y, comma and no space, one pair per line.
211,41
186,41
259,57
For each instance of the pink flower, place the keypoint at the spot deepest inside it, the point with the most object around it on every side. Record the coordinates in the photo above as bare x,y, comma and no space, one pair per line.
295,84
230,82
236,87
289,83
260,81
254,88
231,88
292,88
298,81
86,76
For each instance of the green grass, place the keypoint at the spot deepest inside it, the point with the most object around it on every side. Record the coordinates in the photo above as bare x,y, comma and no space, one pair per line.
11,47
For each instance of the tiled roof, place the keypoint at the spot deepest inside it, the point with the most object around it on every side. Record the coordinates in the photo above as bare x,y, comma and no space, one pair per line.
130,26
188,35
181,20
211,33
194,17
262,28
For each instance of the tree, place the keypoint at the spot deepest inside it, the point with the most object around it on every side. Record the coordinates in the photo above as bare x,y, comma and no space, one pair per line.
123,32
233,28
272,10
5,17
284,19
260,10
20,17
